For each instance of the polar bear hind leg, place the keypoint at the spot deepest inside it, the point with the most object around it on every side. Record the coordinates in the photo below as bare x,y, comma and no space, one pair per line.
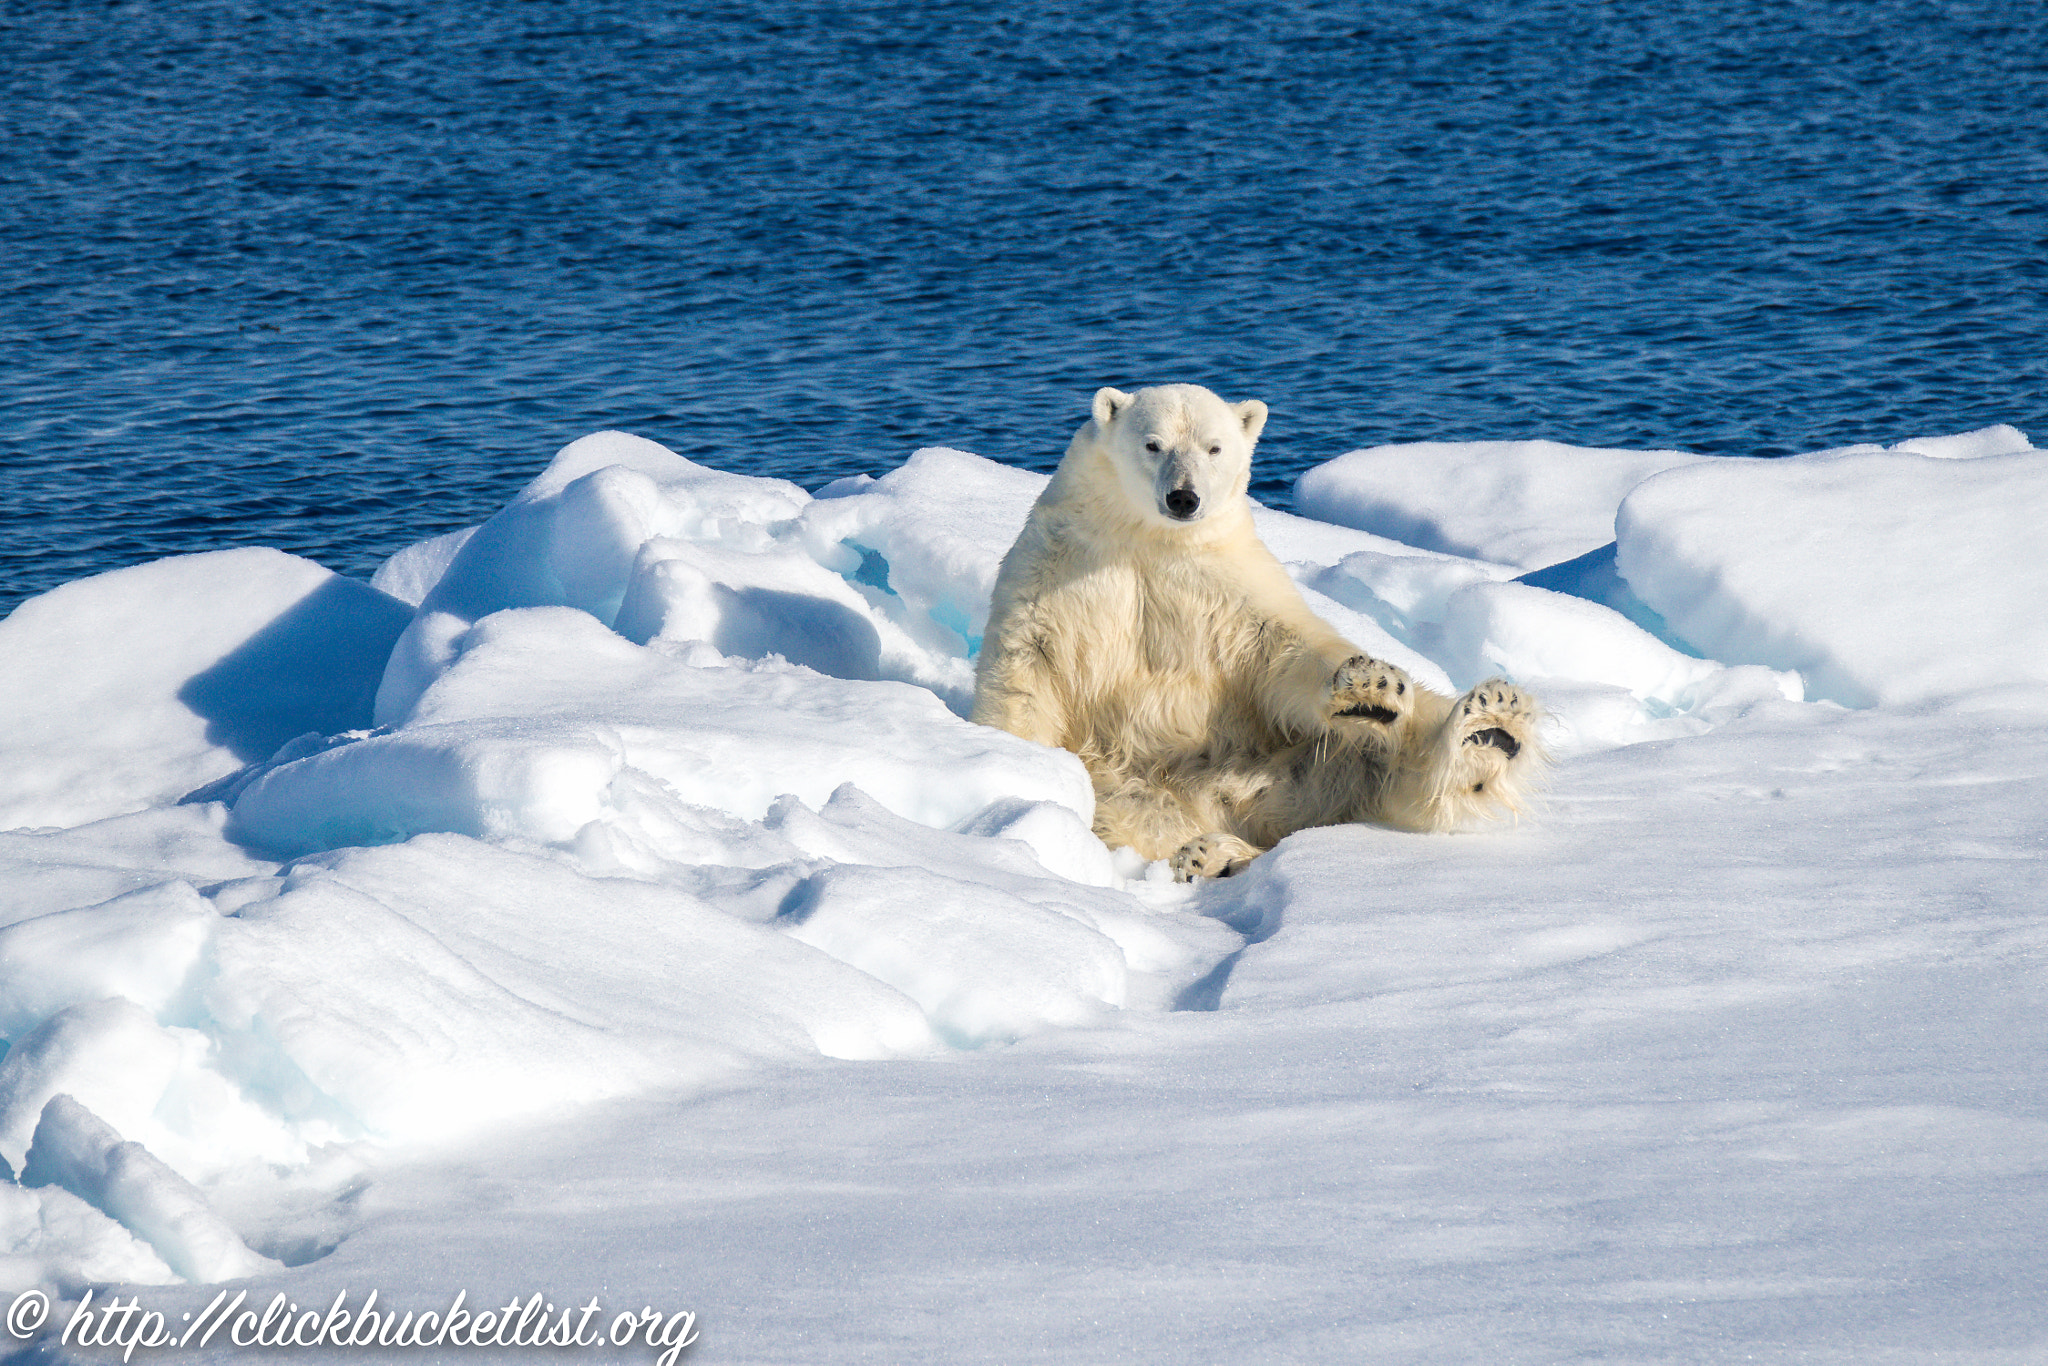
1440,764
1476,765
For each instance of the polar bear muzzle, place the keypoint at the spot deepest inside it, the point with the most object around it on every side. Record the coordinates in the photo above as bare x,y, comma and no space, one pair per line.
1179,484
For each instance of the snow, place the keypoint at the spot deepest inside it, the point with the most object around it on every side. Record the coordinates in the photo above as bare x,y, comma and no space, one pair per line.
613,903
129,689
1523,503
1881,576
51,1234
412,573
1877,574
611,743
77,1150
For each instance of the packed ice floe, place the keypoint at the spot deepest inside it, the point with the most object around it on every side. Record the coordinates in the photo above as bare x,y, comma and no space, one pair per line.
662,774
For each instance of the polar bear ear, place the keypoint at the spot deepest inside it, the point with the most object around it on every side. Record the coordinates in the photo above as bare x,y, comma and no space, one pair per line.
1252,414
1108,403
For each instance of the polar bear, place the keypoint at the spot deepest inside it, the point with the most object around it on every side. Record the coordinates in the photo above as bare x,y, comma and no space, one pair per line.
1139,622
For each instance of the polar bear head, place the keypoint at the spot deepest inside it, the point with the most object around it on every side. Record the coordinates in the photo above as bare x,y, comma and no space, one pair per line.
1181,454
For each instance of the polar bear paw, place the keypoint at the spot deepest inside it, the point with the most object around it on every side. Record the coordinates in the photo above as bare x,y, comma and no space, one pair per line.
1496,715
1371,690
1212,855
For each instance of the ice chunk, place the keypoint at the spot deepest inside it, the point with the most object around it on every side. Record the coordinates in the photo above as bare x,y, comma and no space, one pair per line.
1522,503
50,1235
445,985
77,1150
1570,651
158,1083
517,976
1057,837
1308,542
852,827
142,946
412,573
542,780
542,710
1592,576
1162,952
55,870
1521,632
1995,440
1882,577
751,604
646,830
940,525
1603,680
664,549
111,1053
572,538
1391,602
1405,588
130,688
347,1013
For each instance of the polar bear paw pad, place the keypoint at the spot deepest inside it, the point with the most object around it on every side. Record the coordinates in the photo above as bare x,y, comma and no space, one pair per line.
1369,689
1496,715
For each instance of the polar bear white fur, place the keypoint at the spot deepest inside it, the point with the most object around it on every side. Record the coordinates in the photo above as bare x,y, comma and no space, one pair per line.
1140,623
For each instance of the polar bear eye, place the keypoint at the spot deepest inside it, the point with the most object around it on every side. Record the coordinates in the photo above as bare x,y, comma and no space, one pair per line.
1152,444
1216,450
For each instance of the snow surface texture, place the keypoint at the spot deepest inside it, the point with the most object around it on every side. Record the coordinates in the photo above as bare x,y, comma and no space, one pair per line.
1877,574
1524,503
611,902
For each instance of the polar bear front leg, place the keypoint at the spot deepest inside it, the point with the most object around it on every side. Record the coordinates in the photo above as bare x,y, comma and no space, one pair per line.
1371,699
1015,689
1212,855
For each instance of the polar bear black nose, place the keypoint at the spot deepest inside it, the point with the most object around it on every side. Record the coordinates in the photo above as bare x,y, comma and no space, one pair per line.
1182,503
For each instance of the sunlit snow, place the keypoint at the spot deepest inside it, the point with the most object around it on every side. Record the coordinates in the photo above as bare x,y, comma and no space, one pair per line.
613,901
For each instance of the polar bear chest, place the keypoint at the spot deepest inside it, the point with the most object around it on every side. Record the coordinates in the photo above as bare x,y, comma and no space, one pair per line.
1145,658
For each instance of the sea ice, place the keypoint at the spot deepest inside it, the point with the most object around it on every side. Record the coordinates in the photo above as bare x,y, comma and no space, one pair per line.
78,1151
620,877
1874,574
1880,576
1523,503
129,689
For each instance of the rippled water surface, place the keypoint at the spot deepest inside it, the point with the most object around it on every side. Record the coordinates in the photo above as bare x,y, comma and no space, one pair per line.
339,277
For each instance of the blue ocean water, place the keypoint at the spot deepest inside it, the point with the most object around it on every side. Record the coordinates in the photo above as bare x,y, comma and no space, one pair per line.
337,277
